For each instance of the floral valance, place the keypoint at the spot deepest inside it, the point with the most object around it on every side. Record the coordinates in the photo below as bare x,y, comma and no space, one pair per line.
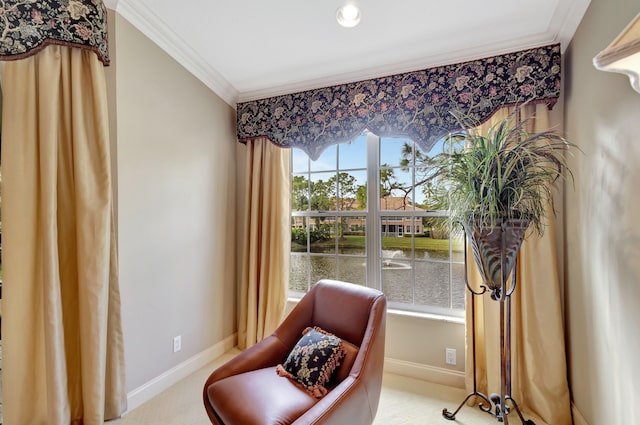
27,26
416,105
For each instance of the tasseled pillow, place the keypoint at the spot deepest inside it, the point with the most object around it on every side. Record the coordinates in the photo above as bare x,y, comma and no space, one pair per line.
313,359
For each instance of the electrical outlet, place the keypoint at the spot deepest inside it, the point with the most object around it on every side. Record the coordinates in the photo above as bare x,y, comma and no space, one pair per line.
177,343
450,356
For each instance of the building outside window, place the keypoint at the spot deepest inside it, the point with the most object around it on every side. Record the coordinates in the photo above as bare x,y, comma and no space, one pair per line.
364,212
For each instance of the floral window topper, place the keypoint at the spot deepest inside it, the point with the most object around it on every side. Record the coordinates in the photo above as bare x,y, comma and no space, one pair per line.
414,105
27,26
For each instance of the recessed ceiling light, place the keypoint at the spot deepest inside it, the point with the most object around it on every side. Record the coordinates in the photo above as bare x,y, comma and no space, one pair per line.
348,15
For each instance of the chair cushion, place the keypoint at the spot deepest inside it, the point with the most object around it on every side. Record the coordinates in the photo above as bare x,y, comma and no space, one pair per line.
313,360
342,371
259,397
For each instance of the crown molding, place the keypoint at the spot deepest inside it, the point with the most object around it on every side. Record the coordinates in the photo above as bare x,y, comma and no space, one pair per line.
566,22
111,4
147,22
448,58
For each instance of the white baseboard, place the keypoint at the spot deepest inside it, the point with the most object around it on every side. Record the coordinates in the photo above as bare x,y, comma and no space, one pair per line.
452,378
578,419
160,383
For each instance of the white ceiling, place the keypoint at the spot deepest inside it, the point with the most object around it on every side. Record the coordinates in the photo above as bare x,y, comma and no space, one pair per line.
250,49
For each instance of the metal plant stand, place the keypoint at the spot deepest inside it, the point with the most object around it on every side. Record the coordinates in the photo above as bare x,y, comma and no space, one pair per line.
499,405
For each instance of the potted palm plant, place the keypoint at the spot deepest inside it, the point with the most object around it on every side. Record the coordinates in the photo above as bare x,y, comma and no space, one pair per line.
498,185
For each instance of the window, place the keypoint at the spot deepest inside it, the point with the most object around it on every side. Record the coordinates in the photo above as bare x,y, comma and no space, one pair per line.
364,212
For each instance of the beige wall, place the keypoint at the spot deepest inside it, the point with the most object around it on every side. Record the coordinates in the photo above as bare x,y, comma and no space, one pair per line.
423,341
175,152
602,115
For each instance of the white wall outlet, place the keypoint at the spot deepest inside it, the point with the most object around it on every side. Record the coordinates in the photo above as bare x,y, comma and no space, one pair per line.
177,343
450,356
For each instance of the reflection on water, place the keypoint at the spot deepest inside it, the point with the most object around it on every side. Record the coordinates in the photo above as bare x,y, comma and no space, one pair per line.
388,264
437,282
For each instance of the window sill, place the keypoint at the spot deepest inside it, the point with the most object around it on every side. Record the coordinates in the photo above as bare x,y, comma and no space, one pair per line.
427,316
407,313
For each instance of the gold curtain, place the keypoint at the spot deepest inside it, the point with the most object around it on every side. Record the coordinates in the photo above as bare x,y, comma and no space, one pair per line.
62,340
539,373
264,259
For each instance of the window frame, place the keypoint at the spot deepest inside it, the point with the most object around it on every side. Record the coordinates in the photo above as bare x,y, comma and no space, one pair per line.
373,230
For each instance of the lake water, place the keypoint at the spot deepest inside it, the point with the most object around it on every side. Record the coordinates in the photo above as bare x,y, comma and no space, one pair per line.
437,282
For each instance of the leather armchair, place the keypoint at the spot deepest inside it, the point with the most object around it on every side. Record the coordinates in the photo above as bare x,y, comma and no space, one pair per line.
247,390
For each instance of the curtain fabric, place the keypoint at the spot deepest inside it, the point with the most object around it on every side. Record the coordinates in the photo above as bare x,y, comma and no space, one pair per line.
28,26
539,374
63,350
264,259
414,104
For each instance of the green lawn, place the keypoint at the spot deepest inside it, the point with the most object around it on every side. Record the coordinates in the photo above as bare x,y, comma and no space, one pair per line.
358,242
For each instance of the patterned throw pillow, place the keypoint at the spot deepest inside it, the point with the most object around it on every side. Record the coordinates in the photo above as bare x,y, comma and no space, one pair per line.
313,360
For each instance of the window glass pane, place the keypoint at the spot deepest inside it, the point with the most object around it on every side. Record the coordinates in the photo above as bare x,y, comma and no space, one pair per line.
352,236
300,193
352,190
387,181
323,192
428,194
299,234
457,248
327,160
322,231
403,183
396,192
393,151
419,200
352,269
397,279
435,245
432,285
457,282
361,198
394,235
353,155
396,260
322,267
299,160
439,147
299,273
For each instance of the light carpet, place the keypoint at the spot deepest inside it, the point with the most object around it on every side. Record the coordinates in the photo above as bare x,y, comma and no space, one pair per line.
404,401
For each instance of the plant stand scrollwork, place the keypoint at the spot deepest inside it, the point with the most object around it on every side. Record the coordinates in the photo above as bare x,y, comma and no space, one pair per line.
495,252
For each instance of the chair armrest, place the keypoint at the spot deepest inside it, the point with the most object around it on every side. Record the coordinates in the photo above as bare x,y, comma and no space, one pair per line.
342,405
268,352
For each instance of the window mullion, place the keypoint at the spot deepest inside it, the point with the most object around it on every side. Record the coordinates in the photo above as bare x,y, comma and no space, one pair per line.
373,208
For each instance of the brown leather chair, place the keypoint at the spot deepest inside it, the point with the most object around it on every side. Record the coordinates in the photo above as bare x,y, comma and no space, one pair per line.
248,391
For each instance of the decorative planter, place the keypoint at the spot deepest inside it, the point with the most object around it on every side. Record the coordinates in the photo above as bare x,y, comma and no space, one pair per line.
495,250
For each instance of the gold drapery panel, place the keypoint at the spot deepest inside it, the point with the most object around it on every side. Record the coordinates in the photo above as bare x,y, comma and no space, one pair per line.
266,244
62,339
